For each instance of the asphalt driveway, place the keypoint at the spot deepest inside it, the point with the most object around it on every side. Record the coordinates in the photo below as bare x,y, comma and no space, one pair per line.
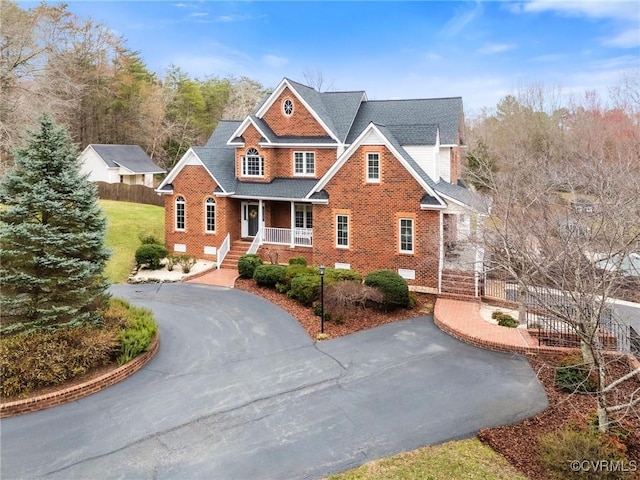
239,391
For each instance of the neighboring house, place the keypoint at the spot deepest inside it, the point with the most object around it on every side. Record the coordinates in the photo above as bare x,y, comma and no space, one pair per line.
339,179
119,164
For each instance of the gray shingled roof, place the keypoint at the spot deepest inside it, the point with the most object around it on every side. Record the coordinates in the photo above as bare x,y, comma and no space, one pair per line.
462,195
131,157
417,118
221,134
278,188
221,162
336,109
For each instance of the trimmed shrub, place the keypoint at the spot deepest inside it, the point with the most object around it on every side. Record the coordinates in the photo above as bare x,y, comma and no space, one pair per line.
504,319
150,254
247,264
293,271
573,375
138,333
392,285
298,261
305,288
149,239
559,449
269,275
186,262
341,275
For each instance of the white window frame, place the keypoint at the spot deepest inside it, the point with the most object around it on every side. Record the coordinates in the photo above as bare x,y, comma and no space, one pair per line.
306,171
307,215
284,107
250,155
338,244
413,237
371,157
180,211
209,202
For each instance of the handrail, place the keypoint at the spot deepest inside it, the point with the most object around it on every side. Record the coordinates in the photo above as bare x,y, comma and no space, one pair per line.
257,241
223,250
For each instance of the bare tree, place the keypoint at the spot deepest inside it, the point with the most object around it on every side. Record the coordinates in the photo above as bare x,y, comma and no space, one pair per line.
565,215
315,79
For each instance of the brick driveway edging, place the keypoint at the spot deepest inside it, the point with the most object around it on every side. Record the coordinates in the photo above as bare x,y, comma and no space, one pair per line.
462,320
28,405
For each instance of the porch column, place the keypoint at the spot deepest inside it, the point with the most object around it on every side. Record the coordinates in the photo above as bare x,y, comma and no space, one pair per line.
260,222
293,223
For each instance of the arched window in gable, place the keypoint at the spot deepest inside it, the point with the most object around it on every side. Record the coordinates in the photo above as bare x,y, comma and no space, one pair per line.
252,164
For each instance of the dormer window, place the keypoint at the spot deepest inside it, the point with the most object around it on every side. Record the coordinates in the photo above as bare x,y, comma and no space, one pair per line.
287,107
252,164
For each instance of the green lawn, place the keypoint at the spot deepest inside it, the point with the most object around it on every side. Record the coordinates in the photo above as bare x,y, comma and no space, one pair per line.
125,222
462,460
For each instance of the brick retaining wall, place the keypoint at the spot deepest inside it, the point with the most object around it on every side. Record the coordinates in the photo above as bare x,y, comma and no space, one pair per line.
28,405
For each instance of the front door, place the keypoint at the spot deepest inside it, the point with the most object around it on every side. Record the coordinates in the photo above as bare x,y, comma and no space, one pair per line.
252,220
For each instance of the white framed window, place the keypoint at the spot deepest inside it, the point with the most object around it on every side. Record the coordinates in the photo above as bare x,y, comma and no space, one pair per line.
342,231
287,107
373,167
304,163
210,215
252,164
304,216
180,212
406,235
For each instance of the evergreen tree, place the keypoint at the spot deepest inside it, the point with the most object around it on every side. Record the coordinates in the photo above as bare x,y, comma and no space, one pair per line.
52,253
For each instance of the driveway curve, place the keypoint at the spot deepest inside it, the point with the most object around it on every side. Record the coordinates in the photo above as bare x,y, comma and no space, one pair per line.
239,391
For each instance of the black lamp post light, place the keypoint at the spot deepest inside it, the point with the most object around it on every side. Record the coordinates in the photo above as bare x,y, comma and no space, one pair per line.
322,298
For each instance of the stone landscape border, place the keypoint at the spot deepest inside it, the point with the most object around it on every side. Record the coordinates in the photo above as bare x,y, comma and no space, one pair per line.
28,405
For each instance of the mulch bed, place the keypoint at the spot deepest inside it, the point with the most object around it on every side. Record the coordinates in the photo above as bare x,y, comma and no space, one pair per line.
359,320
517,443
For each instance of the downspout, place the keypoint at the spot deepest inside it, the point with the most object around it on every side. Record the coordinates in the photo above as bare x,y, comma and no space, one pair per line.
441,251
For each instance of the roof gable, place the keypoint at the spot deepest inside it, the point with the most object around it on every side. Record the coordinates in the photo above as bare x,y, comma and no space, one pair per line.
379,133
414,122
131,157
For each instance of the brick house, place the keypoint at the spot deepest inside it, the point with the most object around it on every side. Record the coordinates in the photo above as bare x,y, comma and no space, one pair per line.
339,179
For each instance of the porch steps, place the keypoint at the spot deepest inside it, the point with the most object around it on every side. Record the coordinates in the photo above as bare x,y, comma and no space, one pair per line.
457,284
238,249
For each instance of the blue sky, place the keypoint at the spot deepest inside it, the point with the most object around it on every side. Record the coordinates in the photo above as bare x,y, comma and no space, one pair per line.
480,50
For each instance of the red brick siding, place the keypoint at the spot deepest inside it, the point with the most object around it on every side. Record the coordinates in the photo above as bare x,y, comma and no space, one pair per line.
300,122
283,164
373,220
196,185
284,253
280,215
456,164
251,140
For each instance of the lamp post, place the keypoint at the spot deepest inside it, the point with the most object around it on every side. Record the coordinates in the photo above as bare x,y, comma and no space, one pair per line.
321,298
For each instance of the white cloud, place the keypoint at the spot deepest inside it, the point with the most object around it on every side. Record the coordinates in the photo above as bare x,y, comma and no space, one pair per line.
274,61
198,14
627,39
493,48
587,8
461,19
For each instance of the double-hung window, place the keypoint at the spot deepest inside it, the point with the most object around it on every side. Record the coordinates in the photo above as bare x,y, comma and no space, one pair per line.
210,215
342,231
252,164
304,163
373,167
304,216
406,235
180,213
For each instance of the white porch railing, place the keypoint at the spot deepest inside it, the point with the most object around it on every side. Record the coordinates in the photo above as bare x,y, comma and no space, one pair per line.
257,241
302,237
223,250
